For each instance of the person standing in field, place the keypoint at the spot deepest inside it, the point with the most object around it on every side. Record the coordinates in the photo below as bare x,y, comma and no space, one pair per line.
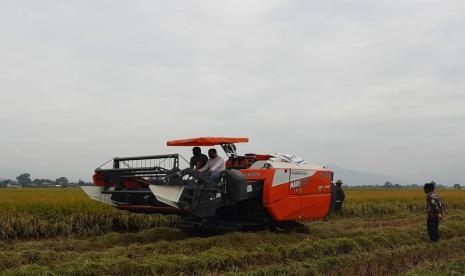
434,211
340,196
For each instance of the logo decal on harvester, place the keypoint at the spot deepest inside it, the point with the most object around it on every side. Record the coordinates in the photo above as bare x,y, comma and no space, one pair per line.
321,187
298,183
300,172
252,174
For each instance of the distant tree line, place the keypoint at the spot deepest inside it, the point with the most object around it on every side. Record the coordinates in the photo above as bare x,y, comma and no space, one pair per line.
389,185
24,180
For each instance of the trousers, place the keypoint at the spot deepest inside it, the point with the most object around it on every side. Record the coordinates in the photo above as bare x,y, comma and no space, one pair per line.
338,206
433,229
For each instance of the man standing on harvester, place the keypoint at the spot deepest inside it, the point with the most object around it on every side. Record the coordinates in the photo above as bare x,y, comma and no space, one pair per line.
434,211
198,160
340,196
215,165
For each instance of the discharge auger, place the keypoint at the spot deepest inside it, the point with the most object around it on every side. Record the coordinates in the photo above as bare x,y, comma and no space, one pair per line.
254,191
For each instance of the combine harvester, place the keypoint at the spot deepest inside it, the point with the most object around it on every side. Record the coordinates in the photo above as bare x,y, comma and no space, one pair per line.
255,191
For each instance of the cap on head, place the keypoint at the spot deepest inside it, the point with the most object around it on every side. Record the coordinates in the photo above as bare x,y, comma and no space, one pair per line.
339,182
429,186
196,150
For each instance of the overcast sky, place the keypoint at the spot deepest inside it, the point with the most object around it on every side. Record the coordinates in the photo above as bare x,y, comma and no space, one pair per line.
375,86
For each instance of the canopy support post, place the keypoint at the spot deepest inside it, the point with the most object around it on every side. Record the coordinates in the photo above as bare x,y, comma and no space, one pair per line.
230,150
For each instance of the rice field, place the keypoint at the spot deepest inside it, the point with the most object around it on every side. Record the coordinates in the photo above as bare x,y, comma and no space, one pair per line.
381,232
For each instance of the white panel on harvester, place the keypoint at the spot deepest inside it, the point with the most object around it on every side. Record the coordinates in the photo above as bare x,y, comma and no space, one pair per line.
167,194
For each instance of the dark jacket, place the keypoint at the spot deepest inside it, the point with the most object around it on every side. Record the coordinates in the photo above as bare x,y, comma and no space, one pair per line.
200,159
340,196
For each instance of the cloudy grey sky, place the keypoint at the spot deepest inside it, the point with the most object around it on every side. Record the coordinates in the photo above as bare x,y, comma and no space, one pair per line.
375,86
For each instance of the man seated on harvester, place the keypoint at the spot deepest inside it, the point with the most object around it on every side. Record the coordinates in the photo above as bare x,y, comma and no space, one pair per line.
198,160
215,165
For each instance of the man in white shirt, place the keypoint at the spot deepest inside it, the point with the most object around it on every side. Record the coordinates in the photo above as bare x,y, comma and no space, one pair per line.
215,165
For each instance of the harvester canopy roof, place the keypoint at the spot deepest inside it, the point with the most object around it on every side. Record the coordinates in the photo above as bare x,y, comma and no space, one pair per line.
206,141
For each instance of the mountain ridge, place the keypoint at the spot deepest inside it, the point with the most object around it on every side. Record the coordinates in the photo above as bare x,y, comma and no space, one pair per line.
352,177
